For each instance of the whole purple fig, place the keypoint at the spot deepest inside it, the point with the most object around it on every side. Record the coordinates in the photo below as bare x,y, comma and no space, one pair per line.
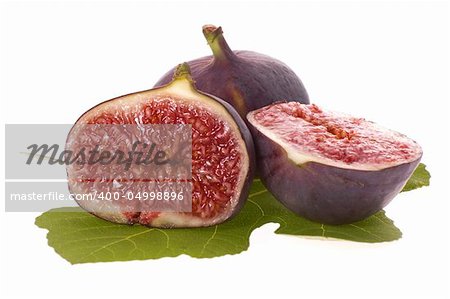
245,79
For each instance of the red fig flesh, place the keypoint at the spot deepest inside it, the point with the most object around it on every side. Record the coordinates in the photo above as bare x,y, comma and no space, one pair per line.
327,166
245,79
222,154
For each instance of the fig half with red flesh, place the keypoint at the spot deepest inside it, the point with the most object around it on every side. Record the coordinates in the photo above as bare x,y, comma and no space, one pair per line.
328,166
222,155
247,80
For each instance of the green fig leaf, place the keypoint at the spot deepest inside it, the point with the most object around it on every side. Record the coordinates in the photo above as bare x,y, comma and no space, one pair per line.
80,237
420,178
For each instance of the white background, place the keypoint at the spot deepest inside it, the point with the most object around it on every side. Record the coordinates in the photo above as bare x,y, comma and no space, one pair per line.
386,61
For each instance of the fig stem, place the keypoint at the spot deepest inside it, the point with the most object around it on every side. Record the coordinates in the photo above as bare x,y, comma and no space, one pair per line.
217,43
183,72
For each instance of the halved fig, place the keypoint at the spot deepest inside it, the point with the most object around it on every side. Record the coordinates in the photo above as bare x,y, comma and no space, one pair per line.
247,80
328,166
222,156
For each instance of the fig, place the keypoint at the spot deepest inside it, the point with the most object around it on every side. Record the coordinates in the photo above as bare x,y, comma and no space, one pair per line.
245,79
327,166
222,155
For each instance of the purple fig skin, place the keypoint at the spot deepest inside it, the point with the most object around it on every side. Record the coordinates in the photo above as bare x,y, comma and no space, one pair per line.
245,79
324,193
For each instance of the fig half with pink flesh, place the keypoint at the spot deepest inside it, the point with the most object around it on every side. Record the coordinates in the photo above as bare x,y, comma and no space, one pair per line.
328,166
222,155
247,80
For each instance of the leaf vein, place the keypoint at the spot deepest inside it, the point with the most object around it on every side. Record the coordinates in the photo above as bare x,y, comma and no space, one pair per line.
106,246
209,240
